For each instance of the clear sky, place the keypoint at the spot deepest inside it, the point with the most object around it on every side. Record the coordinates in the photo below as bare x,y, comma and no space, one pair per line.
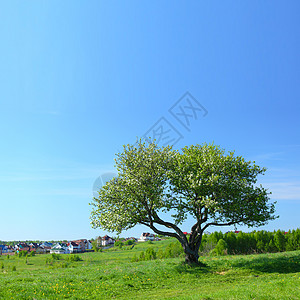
78,79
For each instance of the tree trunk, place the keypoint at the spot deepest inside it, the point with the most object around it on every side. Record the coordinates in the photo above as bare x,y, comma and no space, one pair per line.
191,259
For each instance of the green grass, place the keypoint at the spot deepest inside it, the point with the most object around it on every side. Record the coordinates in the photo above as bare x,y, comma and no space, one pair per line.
111,274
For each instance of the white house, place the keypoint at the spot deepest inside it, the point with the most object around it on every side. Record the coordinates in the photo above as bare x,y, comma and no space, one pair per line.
107,240
60,248
73,247
146,236
84,244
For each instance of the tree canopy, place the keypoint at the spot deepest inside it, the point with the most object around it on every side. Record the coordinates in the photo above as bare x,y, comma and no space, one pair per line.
201,181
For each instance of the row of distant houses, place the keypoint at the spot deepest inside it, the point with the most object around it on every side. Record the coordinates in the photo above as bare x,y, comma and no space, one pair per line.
76,246
108,241
72,247
46,247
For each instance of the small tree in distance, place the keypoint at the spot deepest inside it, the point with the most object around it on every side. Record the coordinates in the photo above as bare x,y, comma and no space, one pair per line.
201,181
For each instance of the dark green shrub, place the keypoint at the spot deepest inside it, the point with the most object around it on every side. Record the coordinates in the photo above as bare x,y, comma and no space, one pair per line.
73,257
129,242
22,253
279,241
142,256
119,244
55,256
160,254
150,254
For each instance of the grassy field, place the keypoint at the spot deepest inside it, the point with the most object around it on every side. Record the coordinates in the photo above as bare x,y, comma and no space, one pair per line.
112,275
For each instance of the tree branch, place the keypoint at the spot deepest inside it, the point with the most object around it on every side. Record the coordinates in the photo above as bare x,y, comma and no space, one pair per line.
172,234
222,224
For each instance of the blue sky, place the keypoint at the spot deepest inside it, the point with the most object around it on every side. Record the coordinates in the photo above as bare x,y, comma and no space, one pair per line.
80,79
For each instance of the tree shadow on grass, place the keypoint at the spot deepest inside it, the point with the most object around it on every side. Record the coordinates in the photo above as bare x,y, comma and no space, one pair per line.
266,263
192,269
285,263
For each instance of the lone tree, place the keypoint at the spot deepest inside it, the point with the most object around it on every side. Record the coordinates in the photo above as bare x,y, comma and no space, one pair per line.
201,181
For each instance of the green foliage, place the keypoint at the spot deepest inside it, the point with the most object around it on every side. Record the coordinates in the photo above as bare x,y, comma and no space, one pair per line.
129,242
14,268
72,257
221,248
119,244
95,246
2,265
150,254
134,258
253,242
160,254
173,250
55,256
279,241
22,253
31,253
142,256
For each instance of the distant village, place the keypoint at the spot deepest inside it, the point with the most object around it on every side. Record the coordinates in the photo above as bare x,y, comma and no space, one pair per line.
76,246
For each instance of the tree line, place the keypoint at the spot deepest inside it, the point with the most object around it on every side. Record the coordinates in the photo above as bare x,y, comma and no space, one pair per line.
231,243
248,243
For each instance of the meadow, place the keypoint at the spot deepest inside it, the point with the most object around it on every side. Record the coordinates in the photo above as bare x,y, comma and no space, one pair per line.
112,274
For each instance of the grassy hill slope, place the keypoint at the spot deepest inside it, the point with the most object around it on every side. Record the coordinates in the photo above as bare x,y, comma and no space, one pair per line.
111,274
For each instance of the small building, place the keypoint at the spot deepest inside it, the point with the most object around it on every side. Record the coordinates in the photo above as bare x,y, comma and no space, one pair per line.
46,246
60,248
3,249
74,247
107,240
84,244
22,247
146,236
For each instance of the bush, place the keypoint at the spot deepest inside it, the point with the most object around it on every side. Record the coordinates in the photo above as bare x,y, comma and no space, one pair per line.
55,256
142,256
62,265
22,253
119,244
134,258
160,254
173,250
73,257
95,247
129,242
150,254
221,248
